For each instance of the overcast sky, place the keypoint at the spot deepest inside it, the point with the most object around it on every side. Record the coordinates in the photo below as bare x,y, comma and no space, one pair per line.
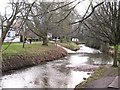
81,7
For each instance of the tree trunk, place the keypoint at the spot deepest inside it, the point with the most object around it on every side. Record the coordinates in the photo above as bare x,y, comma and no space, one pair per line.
45,41
0,52
104,47
4,35
115,56
23,42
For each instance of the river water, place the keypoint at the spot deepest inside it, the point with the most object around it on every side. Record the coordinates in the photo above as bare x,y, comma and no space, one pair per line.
66,72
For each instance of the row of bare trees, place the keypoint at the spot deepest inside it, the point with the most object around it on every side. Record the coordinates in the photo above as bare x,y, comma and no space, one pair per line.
104,25
41,17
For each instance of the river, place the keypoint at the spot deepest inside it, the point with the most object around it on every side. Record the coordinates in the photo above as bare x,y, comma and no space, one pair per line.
66,72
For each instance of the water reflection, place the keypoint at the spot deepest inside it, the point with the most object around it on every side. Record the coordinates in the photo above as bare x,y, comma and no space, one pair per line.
85,49
64,73
76,60
75,75
99,59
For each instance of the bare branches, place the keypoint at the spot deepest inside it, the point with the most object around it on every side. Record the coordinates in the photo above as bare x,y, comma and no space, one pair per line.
93,9
64,17
9,21
57,8
105,26
70,10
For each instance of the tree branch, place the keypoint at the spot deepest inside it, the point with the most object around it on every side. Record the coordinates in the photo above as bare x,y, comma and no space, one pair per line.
89,14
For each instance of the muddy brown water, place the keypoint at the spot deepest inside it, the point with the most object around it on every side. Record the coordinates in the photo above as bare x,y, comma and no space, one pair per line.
66,72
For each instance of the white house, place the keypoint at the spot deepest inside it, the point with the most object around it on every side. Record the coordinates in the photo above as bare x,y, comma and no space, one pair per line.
11,37
75,39
49,35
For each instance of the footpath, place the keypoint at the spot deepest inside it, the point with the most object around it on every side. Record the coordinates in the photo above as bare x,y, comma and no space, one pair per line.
109,80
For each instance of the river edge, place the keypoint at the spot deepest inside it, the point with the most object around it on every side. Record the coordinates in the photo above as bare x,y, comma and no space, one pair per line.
104,71
95,79
20,61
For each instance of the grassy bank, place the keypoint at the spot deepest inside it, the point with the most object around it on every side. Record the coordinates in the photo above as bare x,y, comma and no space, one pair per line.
119,48
112,48
70,45
16,57
101,72
16,48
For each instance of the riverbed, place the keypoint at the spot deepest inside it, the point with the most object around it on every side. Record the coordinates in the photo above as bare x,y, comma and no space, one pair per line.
66,72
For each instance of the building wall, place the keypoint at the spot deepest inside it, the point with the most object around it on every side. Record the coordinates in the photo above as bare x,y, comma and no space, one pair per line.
11,37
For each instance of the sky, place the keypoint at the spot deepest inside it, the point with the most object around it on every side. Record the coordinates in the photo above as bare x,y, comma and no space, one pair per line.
81,8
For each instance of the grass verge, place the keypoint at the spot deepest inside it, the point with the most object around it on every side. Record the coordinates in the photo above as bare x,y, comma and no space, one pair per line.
16,57
70,45
16,48
119,48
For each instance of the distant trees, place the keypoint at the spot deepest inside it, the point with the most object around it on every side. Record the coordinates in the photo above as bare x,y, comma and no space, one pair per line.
104,25
54,17
41,16
62,27
42,19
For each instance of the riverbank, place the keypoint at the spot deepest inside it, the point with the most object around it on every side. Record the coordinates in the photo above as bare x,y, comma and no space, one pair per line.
101,78
70,45
16,57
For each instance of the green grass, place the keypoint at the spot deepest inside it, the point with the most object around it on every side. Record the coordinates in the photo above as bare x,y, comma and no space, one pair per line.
16,48
119,47
70,45
16,57
97,74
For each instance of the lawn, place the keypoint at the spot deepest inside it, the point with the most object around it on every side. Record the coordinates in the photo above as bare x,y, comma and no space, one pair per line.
70,45
119,48
15,57
16,48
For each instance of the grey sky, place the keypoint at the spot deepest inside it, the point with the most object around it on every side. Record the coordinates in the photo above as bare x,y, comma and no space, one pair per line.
81,7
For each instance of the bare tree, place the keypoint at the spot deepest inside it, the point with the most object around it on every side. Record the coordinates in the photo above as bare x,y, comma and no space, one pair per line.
39,21
0,51
18,8
48,10
8,20
104,25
